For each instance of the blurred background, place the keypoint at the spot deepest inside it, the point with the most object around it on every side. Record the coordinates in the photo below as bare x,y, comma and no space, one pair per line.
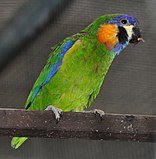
29,28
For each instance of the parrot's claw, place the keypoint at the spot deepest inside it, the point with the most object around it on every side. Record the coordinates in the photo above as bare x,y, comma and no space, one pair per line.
57,112
99,112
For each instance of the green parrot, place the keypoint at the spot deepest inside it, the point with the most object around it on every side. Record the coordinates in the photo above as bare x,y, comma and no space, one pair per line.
78,65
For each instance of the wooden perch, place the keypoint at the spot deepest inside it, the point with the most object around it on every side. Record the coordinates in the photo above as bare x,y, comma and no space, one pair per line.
78,125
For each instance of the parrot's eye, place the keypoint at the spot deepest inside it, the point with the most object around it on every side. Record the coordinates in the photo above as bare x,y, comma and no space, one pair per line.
124,21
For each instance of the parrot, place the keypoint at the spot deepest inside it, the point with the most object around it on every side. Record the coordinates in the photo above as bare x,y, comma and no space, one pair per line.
77,67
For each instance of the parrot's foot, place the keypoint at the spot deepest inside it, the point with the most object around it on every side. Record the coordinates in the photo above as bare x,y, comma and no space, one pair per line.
57,112
99,112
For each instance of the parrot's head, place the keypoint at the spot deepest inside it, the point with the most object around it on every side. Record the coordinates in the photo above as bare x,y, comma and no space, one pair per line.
116,31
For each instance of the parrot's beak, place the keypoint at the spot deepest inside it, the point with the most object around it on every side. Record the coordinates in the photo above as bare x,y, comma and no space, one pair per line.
136,36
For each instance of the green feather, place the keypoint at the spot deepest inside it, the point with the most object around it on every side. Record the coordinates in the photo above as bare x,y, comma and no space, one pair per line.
16,142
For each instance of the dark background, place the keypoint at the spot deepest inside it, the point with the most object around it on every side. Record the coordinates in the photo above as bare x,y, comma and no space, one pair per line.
130,86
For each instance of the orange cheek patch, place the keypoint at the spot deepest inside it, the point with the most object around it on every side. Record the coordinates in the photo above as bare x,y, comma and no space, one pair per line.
107,35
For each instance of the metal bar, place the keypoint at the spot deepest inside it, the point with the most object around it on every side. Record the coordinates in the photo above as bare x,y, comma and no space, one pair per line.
121,127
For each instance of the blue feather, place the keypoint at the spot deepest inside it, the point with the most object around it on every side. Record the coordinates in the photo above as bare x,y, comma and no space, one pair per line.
119,47
55,67
117,20
53,70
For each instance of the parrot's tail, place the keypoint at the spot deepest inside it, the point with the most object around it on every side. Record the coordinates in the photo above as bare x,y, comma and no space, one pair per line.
16,142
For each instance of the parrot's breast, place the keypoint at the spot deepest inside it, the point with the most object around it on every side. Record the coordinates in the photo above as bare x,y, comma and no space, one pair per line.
79,78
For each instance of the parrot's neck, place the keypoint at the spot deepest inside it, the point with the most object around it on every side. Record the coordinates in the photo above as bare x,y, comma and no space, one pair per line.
118,48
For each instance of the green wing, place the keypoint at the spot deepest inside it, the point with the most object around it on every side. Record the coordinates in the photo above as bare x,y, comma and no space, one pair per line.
52,66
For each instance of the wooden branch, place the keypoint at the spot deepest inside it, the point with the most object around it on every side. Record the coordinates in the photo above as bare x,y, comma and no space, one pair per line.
78,125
